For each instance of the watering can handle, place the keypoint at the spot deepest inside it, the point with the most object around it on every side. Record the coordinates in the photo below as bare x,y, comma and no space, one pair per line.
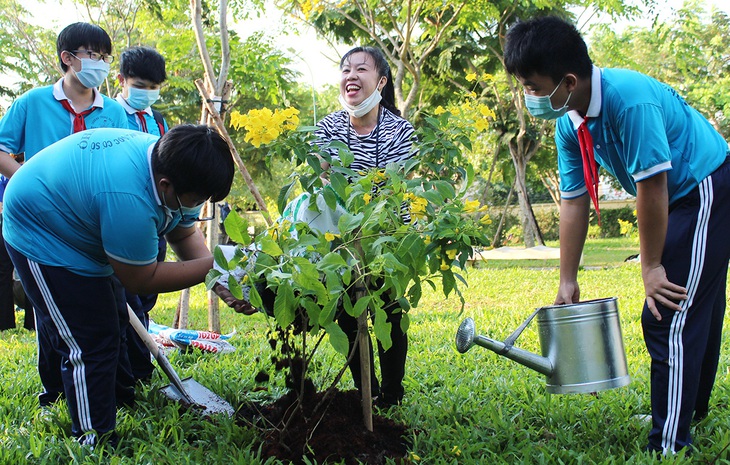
510,341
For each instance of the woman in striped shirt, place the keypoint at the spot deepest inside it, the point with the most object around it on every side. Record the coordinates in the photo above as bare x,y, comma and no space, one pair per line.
372,128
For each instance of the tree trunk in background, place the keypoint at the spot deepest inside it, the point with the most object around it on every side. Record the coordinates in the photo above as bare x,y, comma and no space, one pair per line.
530,230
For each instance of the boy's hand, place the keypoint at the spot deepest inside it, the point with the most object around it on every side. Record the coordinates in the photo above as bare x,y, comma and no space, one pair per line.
660,290
239,306
568,293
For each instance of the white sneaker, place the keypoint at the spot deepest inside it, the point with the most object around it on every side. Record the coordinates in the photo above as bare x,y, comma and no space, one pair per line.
642,418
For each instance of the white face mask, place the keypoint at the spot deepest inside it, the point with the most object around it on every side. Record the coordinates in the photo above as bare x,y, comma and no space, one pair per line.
140,99
92,73
364,107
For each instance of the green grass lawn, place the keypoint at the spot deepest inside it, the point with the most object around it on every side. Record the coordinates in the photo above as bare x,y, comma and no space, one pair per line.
473,408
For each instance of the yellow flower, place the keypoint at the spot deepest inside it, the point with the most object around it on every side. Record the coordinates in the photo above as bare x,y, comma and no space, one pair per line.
485,220
456,451
414,457
329,237
486,111
444,266
481,125
471,77
379,176
417,207
263,126
471,206
438,111
427,240
367,198
451,254
483,208
245,279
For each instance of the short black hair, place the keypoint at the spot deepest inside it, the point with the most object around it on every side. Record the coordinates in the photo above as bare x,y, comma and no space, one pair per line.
89,36
196,159
381,64
144,63
549,46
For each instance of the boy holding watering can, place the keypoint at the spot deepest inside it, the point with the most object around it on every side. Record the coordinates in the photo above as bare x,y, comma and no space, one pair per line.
667,155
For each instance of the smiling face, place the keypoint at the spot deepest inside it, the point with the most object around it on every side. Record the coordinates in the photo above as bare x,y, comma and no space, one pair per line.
360,78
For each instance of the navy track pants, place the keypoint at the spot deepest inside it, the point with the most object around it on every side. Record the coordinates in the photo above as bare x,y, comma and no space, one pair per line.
685,346
82,320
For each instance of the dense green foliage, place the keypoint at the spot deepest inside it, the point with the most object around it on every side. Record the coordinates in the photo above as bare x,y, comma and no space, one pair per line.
475,408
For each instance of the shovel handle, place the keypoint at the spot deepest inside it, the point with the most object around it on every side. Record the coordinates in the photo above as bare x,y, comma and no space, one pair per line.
159,356
142,332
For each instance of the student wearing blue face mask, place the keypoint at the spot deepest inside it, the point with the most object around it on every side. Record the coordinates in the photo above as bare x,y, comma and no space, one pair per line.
75,238
141,74
45,115
670,157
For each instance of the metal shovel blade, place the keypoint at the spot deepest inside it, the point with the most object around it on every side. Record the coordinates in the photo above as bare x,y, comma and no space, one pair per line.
203,398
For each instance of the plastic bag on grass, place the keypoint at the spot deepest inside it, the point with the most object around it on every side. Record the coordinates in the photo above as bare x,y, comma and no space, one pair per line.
206,341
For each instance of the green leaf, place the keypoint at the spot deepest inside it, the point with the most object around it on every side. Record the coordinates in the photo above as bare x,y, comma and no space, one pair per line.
255,298
284,193
269,246
338,338
331,262
405,322
220,259
235,287
381,327
211,278
339,184
360,306
448,281
313,311
330,198
237,228
348,222
327,315
308,279
284,304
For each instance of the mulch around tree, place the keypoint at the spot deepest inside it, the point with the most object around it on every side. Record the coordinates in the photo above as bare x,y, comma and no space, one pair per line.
336,436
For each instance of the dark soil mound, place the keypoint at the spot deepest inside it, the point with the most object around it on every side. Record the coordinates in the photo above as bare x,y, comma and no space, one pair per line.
333,434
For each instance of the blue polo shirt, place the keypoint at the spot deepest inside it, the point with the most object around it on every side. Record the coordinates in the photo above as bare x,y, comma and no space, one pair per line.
85,198
640,127
36,119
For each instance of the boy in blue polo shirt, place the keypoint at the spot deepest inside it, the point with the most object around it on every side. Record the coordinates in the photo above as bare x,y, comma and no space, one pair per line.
666,154
141,74
69,236
44,115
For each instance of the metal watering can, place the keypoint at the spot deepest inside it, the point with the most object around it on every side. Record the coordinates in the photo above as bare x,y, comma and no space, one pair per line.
582,347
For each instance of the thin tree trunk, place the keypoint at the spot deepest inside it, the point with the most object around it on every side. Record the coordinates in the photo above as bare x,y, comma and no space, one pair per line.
496,240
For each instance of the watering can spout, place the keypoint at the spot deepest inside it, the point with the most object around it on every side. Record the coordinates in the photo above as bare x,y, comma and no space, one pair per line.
466,337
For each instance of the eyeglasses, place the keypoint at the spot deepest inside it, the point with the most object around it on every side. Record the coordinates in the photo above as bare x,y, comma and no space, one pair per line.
93,56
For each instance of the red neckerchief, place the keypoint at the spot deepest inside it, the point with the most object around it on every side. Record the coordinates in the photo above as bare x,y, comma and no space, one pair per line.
590,167
79,122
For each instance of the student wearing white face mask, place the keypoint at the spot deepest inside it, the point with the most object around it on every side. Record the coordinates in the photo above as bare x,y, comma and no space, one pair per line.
372,128
45,115
141,74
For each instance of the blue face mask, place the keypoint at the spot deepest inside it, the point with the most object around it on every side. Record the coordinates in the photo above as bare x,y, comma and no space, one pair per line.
188,214
140,99
92,73
542,107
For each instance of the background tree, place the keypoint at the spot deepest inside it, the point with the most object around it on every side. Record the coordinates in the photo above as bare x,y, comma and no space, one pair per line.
689,51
